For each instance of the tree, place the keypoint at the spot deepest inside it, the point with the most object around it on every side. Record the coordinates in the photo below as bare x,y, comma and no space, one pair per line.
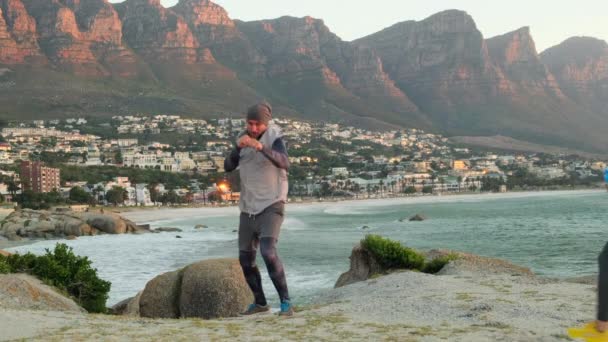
154,195
118,157
410,190
12,188
117,195
79,195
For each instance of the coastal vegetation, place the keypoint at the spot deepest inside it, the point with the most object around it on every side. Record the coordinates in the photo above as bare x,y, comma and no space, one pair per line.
393,255
66,271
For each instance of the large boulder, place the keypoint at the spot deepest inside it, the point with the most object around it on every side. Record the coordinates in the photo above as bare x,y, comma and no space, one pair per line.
206,289
5,253
24,292
214,288
160,297
362,266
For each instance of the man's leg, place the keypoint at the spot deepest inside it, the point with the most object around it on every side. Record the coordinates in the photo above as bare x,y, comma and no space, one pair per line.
602,291
248,244
268,247
271,221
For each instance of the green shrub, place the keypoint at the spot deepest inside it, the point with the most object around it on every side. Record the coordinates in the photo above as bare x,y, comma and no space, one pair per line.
437,264
4,266
391,254
66,271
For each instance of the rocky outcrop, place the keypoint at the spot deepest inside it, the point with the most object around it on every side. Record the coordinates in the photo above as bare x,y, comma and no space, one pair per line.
362,266
24,292
470,263
207,289
4,253
33,224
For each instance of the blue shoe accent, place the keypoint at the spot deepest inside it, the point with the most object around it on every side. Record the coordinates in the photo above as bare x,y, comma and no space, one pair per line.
286,309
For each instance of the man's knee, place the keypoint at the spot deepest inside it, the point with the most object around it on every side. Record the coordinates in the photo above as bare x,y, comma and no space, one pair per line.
247,259
268,249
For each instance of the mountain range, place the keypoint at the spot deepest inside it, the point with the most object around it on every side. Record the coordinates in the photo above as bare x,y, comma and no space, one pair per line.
63,58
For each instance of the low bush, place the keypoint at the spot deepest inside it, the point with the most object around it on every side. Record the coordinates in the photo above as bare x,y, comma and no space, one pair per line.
393,255
66,271
437,264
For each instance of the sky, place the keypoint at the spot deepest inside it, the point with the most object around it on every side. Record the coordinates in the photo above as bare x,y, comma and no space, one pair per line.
550,21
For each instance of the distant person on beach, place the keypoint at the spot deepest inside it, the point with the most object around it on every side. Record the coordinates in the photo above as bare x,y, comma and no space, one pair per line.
261,157
602,292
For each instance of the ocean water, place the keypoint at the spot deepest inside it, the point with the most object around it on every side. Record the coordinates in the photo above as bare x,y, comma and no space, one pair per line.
556,234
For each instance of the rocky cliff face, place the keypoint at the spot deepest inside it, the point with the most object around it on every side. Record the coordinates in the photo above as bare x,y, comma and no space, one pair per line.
515,54
580,65
439,73
18,41
166,42
442,61
318,67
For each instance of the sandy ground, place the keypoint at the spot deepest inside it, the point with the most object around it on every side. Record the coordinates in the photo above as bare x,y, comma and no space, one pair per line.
405,306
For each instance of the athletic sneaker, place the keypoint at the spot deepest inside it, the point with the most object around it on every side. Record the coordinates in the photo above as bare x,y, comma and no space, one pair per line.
255,308
286,309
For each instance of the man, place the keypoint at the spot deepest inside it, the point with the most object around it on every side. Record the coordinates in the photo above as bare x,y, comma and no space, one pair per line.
261,157
602,292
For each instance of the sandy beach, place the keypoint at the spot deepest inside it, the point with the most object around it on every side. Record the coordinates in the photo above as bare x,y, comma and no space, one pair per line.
145,215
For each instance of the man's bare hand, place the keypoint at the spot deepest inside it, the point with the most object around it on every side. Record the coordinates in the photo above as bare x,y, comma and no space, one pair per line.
247,141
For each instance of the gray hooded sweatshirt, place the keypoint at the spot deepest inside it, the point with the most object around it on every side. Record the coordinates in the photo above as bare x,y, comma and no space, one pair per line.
262,182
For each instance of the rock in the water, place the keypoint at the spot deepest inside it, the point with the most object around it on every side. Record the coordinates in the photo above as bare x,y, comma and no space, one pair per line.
418,217
200,226
167,229
178,236
365,227
213,289
40,224
160,297
362,266
24,292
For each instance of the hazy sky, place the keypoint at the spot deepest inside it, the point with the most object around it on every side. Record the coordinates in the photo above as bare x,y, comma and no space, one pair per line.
550,21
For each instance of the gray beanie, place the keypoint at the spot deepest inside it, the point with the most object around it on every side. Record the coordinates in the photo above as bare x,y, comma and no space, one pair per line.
261,112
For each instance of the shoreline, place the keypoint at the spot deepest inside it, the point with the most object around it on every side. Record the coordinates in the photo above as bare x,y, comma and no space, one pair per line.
143,215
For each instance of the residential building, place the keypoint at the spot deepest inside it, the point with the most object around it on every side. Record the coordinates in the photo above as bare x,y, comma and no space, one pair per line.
39,178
